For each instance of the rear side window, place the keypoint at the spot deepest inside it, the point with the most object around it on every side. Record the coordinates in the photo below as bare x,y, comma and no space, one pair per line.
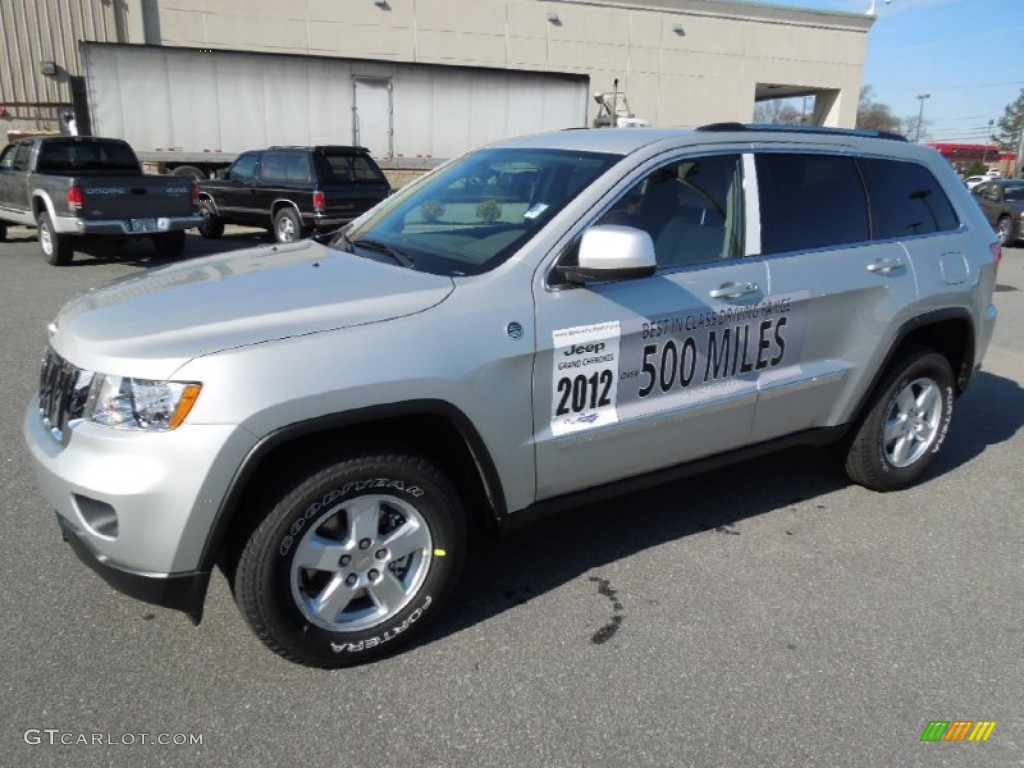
351,167
906,200
810,201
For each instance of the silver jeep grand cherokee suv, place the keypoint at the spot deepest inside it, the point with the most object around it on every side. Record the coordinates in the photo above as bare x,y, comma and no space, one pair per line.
539,321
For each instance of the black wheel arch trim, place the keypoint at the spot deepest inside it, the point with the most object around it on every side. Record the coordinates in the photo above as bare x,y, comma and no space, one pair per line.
962,377
226,512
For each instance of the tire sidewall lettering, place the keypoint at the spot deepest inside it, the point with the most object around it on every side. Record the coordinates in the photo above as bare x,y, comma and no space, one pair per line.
351,489
369,643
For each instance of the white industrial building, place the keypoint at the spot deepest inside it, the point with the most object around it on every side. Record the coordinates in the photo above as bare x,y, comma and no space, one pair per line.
474,70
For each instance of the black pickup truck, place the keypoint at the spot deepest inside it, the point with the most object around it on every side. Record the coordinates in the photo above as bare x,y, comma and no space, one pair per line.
74,186
292,190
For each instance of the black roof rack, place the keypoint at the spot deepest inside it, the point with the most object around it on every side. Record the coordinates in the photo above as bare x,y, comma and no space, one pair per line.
809,129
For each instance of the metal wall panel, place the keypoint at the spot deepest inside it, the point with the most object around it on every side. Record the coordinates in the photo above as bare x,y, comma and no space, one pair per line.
33,31
161,99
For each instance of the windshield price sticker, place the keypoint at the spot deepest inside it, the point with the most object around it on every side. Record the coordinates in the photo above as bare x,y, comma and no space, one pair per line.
585,384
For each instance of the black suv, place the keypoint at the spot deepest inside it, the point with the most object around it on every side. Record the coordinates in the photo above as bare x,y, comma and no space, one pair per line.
292,190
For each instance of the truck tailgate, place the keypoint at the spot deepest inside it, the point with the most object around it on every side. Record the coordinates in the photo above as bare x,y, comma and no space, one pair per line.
134,197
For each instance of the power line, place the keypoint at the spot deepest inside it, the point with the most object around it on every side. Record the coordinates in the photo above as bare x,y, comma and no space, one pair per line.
961,87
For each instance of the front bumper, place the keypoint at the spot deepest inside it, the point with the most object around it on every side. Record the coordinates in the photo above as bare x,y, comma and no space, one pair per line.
125,227
138,507
184,592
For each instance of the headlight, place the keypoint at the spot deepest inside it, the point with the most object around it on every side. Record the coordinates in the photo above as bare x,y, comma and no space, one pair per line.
157,406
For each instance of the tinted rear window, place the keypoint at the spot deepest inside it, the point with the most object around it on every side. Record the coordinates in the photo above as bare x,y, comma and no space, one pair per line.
810,201
905,200
349,167
72,156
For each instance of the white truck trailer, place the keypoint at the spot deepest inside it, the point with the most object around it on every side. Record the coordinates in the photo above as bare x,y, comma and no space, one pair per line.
190,111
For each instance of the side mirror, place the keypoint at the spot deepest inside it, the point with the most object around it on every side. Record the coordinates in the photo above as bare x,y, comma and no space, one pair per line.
221,173
612,252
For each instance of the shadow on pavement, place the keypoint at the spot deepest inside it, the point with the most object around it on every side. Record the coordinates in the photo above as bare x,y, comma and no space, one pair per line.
139,251
503,573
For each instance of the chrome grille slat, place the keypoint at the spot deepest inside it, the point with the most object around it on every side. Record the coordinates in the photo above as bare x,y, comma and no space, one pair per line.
63,390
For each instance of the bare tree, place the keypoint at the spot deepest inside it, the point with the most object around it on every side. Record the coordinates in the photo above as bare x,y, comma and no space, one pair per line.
875,116
777,112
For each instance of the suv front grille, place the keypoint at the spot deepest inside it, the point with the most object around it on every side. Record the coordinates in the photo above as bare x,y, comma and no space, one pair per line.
63,391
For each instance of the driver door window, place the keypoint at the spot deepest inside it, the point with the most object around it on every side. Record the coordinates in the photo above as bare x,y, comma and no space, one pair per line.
244,168
692,209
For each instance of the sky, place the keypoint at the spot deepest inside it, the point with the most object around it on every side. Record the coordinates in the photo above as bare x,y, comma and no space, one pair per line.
967,54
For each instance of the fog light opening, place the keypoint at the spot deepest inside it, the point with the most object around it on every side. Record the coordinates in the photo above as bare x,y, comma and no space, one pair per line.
99,516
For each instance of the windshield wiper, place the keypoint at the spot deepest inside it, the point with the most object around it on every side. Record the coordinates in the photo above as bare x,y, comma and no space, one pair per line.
387,250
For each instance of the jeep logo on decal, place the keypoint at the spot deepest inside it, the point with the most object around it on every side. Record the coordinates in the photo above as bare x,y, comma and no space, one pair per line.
579,349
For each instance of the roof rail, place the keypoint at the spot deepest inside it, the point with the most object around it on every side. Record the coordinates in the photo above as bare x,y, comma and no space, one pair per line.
809,129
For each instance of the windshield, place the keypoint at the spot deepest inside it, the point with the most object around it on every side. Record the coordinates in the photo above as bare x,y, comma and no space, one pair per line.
472,215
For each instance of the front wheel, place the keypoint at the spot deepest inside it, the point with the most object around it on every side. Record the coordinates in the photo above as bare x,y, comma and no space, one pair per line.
354,562
1005,228
906,425
57,248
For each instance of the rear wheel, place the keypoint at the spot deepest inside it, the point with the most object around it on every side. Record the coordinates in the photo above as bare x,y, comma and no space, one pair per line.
354,562
287,226
906,425
170,245
189,172
57,248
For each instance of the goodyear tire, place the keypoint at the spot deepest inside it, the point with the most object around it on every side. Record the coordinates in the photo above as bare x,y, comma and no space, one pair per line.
354,562
906,424
57,248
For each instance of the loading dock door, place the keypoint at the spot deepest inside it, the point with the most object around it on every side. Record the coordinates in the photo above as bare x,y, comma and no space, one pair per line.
371,115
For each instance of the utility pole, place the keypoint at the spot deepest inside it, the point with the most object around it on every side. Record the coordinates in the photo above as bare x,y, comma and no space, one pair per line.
920,113
1020,151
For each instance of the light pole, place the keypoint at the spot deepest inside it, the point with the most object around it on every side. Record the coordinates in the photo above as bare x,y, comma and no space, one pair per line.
920,113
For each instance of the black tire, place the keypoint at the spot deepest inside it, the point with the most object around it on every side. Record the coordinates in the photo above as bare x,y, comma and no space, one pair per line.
212,226
353,509
906,423
189,172
169,245
3,231
57,249
1005,230
287,226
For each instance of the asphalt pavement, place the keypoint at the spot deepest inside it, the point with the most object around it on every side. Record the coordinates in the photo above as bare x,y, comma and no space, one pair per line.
767,614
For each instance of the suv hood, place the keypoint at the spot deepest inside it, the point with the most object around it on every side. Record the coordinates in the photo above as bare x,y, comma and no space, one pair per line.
157,320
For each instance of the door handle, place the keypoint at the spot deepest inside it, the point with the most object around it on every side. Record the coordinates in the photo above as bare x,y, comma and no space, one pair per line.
885,265
733,290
